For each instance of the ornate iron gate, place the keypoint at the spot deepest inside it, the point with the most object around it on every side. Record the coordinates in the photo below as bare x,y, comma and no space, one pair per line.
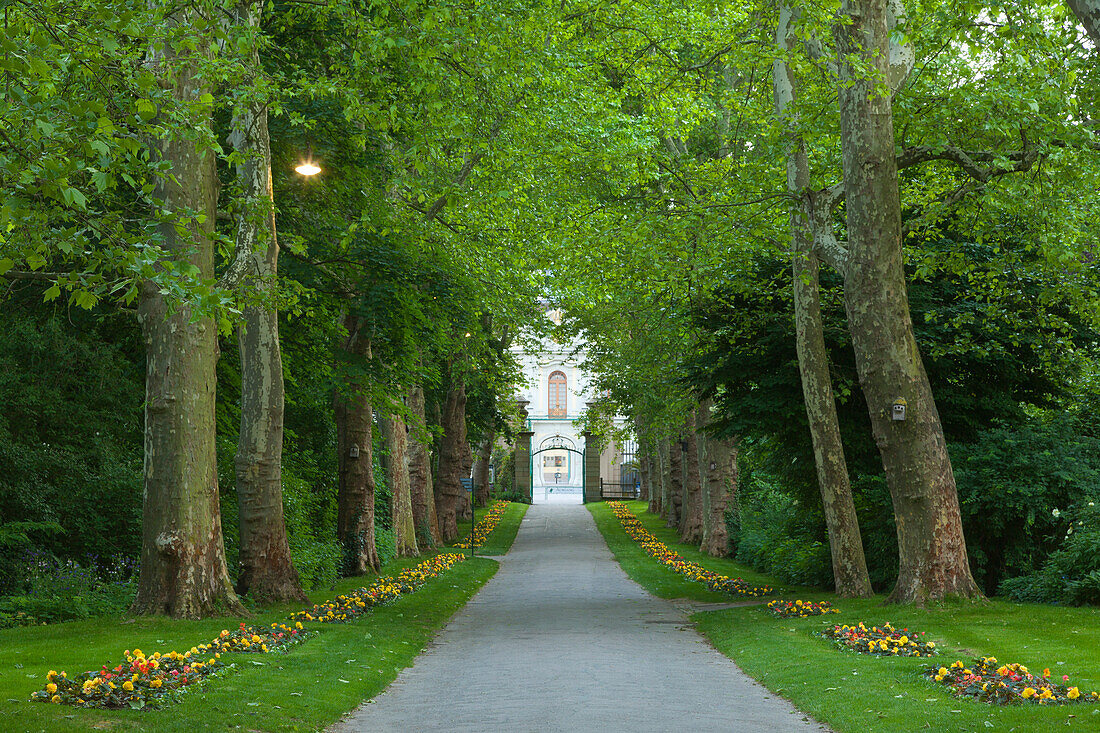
624,481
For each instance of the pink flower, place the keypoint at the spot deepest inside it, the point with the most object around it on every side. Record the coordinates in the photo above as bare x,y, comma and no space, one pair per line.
1065,678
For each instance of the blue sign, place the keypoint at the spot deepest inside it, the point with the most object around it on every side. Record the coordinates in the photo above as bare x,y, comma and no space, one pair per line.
467,483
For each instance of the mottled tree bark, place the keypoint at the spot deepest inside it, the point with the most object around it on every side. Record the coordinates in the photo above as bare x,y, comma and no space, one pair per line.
642,460
718,476
932,550
183,571
420,476
452,449
465,498
653,477
846,545
664,469
691,521
355,489
481,468
1088,13
397,478
267,571
721,489
675,482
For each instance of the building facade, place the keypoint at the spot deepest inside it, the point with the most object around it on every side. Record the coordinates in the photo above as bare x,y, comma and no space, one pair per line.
557,391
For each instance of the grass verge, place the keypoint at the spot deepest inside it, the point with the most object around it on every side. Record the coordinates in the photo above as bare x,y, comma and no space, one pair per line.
304,690
852,692
501,539
659,580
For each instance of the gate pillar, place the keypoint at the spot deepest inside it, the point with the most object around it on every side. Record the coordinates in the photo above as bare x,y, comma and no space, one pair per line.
592,451
523,464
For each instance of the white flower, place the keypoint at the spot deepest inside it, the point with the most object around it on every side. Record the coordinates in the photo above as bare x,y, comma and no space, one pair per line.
1056,513
1092,503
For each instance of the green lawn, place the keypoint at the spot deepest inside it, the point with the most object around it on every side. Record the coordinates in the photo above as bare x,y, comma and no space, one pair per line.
303,690
499,542
852,692
658,579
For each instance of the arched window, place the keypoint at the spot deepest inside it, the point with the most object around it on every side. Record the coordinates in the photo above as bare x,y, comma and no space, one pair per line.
556,391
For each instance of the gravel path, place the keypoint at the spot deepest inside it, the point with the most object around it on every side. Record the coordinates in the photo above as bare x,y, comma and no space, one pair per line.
562,640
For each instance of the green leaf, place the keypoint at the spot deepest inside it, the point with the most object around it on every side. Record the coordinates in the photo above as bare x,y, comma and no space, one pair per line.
146,110
5,265
52,293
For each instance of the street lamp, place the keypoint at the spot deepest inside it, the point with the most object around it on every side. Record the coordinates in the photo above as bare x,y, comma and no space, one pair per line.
308,168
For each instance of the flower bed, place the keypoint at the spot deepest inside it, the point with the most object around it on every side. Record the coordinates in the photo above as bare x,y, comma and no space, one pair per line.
352,605
251,639
485,527
800,609
692,571
139,682
885,641
149,681
1006,684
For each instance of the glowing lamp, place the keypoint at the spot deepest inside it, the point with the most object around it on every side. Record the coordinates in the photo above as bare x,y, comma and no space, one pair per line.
307,169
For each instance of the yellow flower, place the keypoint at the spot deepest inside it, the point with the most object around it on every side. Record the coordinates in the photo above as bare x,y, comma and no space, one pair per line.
1028,692
128,686
939,678
51,688
55,698
943,671
156,683
956,664
298,625
137,653
1073,693
50,675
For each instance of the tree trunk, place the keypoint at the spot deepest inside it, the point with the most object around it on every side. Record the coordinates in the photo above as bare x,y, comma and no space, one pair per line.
933,559
1088,14
481,468
691,523
641,458
676,482
653,477
183,572
448,498
465,498
267,571
355,491
664,462
420,476
849,563
707,467
397,478
720,488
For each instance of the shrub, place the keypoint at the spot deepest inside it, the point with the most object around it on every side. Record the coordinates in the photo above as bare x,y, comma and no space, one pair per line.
771,537
1010,482
1071,574
63,590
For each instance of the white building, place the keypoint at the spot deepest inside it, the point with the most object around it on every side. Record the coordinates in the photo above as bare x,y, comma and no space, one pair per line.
558,390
